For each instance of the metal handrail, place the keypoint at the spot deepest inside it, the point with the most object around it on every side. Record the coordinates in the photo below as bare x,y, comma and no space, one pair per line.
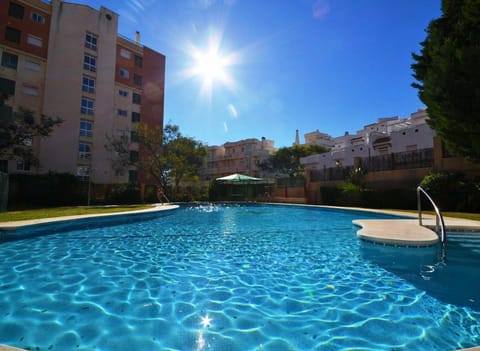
439,218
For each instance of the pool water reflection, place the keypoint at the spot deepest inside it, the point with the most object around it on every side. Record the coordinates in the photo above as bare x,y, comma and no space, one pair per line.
231,277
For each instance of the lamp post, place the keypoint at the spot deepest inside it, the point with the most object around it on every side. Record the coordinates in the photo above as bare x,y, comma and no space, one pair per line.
90,171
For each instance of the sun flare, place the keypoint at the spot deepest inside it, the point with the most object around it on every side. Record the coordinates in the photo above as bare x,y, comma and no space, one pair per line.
210,66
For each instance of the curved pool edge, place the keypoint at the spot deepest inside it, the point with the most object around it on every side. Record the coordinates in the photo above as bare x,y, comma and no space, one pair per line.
16,225
399,232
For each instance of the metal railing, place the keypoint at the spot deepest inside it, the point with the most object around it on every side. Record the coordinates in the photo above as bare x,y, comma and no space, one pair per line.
439,222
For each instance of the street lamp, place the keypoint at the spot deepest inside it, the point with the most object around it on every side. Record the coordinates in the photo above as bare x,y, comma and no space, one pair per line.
90,171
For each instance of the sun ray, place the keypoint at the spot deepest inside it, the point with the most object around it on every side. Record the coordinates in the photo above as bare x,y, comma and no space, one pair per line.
210,65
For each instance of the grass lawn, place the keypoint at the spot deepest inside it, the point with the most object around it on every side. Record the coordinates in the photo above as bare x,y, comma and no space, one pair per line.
65,211
82,210
464,215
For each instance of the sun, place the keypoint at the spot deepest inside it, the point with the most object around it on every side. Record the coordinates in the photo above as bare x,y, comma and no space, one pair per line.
210,66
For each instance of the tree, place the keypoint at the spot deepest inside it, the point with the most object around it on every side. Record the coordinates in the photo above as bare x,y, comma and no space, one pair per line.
184,157
18,129
120,148
286,160
448,76
165,154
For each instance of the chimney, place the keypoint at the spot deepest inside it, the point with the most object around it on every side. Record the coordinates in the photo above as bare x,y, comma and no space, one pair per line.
137,37
297,138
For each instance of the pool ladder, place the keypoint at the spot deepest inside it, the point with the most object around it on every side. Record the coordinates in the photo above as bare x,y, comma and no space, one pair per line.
439,222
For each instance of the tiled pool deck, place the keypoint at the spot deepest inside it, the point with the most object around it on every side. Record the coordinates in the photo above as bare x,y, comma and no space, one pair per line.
402,232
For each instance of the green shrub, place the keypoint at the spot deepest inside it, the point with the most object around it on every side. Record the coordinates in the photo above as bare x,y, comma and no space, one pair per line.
123,194
351,195
448,190
453,191
45,190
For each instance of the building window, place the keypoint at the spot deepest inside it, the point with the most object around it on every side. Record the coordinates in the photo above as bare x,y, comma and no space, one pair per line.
134,137
132,176
13,35
35,17
23,166
135,117
30,90
125,53
4,166
7,86
134,156
137,79
138,61
136,98
86,128
9,60
87,106
91,41
83,172
88,84
84,151
122,113
122,134
35,41
32,66
124,73
15,10
122,92
89,63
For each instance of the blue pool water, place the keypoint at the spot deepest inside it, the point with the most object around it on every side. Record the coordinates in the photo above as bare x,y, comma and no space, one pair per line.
236,278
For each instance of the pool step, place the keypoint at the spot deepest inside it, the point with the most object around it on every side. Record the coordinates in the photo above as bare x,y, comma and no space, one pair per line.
397,232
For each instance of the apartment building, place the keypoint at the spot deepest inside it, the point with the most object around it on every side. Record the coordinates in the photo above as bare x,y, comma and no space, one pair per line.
319,138
67,60
241,156
385,136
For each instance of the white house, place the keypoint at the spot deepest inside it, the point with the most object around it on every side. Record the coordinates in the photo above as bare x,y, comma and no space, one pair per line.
386,136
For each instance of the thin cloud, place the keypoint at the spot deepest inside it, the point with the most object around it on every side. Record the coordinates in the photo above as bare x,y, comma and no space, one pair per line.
320,9
206,3
233,111
137,5
225,127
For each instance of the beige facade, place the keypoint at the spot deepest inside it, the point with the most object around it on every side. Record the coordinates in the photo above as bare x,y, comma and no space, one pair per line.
91,78
241,156
65,91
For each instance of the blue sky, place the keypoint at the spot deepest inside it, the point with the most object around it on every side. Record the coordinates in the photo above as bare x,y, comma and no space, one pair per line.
274,66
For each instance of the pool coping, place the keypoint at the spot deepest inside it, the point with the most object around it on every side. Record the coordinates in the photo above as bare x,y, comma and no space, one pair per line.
405,231
14,225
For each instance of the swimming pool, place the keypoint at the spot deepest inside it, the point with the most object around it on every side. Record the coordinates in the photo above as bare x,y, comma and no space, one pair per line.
234,277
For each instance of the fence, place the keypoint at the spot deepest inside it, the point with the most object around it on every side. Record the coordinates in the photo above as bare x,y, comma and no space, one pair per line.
3,191
298,181
401,160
